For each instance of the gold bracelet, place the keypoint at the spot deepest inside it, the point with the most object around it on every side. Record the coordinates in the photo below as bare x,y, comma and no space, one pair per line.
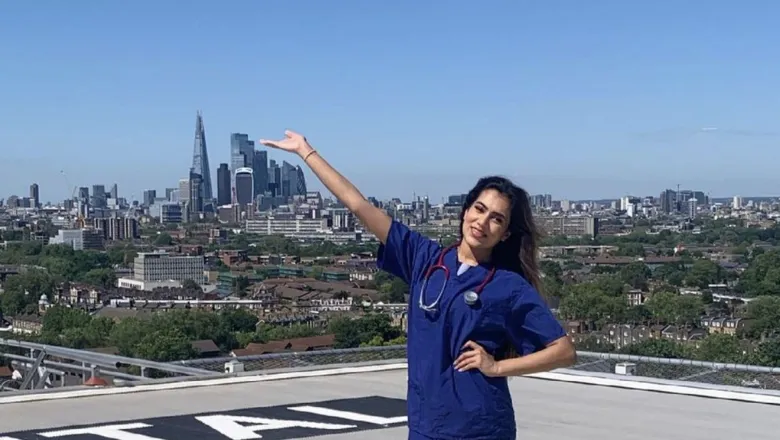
309,154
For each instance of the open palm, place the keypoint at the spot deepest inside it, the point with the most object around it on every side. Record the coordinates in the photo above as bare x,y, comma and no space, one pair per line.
292,142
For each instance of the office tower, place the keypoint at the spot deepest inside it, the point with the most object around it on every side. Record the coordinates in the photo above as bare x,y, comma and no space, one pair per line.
99,196
114,191
35,196
242,153
223,185
289,179
667,201
83,194
184,190
301,181
197,202
149,197
274,178
260,170
200,160
244,185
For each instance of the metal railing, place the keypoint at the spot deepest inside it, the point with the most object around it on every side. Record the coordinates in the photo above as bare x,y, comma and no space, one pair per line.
749,376
45,366
31,357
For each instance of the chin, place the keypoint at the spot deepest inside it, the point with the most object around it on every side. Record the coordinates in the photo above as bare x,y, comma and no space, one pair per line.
475,243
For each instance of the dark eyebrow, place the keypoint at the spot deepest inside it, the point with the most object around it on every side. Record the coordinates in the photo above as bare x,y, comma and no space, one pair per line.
497,214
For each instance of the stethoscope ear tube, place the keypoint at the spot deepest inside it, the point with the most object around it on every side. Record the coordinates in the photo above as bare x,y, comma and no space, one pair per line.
471,297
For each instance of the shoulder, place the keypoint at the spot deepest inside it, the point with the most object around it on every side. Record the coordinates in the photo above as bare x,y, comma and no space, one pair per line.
519,290
402,233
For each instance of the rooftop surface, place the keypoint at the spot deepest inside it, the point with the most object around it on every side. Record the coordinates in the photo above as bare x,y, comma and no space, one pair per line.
345,406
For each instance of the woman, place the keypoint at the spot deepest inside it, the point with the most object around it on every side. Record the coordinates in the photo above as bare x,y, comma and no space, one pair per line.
472,307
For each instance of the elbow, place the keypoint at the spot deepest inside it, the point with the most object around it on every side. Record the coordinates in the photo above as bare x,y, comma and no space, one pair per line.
570,358
568,354
565,354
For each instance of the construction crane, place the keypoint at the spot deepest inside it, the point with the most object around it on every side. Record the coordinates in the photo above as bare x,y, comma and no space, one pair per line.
80,221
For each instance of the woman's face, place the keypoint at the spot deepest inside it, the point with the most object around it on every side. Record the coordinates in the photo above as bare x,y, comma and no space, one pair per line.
486,221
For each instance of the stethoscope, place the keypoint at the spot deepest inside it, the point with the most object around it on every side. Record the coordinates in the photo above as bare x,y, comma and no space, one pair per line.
470,297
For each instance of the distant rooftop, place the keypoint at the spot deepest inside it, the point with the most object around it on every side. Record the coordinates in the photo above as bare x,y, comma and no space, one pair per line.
344,394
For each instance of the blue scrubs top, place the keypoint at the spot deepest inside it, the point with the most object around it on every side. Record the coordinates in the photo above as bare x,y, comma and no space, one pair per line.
442,402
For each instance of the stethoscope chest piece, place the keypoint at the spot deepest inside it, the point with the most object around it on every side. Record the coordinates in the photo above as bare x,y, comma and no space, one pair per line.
471,297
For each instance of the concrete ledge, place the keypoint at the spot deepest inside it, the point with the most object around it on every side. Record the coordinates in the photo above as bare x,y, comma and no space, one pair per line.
641,383
563,375
65,393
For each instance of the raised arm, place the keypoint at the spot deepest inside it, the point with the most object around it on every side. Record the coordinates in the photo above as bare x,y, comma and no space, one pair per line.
372,217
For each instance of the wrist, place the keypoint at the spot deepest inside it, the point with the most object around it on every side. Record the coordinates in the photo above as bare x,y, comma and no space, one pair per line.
501,368
303,152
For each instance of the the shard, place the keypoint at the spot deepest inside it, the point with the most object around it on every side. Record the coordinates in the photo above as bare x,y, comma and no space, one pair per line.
200,161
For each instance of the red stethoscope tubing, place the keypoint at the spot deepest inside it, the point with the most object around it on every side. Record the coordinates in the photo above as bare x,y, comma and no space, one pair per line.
440,265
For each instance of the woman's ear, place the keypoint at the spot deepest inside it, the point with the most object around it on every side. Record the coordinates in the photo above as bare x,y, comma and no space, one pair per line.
506,235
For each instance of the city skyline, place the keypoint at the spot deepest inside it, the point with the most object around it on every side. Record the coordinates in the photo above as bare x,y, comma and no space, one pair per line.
588,101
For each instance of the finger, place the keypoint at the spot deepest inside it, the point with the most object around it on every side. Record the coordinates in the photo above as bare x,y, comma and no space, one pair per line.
290,133
470,365
467,358
473,345
269,143
468,355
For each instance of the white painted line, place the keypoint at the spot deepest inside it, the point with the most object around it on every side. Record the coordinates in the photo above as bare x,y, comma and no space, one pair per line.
118,432
348,415
196,383
635,383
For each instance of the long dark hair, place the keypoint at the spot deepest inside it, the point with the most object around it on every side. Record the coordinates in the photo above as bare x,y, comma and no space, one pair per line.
518,253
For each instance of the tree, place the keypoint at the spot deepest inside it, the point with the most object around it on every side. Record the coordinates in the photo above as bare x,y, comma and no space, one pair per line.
24,290
764,313
663,307
767,353
635,275
351,333
163,239
190,284
316,272
703,273
688,309
721,347
166,344
762,276
102,277
240,284
590,303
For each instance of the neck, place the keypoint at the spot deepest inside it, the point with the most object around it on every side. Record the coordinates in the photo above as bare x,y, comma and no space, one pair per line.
471,256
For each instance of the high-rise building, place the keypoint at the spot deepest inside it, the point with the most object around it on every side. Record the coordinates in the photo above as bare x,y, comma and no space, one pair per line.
114,191
200,160
289,179
667,201
242,153
184,190
274,178
244,185
98,196
260,170
224,196
149,197
196,193
300,188
35,199
83,194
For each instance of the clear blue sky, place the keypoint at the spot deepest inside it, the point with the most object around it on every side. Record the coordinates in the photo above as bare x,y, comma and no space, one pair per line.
578,99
